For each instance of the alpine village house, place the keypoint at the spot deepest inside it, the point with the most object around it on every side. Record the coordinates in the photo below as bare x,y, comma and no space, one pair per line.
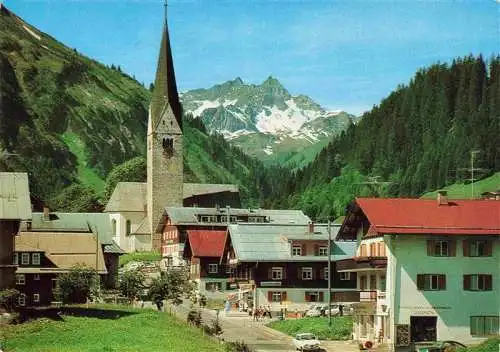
426,269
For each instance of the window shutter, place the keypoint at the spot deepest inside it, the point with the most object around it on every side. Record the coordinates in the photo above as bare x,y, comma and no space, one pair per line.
270,296
316,249
488,282
488,248
322,273
430,248
420,281
466,246
284,273
299,273
442,282
321,296
304,249
283,296
453,248
307,297
270,273
313,273
466,282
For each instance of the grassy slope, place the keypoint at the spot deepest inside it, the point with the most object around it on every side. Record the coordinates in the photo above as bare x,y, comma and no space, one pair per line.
139,257
85,173
142,330
341,328
464,191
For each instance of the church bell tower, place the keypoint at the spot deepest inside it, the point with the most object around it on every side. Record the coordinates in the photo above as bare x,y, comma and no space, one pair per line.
164,140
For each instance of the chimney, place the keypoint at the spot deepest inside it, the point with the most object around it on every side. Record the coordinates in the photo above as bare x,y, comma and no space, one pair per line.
442,197
46,211
311,228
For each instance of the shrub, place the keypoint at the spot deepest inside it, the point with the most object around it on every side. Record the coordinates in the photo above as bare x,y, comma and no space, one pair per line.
8,299
237,346
78,285
132,283
194,317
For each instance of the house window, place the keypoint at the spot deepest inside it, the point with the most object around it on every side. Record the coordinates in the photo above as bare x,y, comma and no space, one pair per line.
440,248
213,268
36,297
373,249
213,286
307,273
382,283
484,325
128,229
35,258
277,273
230,270
477,248
362,282
478,282
20,279
21,300
36,277
431,282
25,258
54,283
297,250
113,227
313,296
381,249
276,296
323,251
345,276
325,273
15,259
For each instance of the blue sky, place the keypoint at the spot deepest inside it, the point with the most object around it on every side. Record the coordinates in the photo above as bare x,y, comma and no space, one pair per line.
344,54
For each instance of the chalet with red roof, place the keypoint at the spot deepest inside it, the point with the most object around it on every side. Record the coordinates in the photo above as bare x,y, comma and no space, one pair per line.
202,253
426,269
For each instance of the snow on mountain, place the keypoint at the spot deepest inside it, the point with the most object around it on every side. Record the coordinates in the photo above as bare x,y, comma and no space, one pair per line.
264,119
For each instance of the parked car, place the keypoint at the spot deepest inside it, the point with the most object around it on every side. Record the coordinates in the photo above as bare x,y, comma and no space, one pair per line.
440,346
306,342
320,310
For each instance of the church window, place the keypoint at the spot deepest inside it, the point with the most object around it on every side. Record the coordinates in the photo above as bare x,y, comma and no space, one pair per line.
168,145
129,227
113,227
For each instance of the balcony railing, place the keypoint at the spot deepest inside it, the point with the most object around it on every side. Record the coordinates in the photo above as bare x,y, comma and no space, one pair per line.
367,296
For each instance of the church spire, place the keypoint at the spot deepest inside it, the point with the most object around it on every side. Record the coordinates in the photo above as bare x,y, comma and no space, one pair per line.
165,90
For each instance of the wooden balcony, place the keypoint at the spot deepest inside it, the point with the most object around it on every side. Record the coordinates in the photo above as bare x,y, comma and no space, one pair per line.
361,264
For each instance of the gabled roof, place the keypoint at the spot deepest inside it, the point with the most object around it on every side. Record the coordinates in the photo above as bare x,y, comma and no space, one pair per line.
189,215
272,243
78,222
206,243
132,196
65,250
426,216
14,196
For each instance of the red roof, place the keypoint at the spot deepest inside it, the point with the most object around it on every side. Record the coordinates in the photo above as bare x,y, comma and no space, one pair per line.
206,243
399,215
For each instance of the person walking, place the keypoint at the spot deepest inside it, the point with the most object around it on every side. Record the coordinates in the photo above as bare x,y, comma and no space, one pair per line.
269,311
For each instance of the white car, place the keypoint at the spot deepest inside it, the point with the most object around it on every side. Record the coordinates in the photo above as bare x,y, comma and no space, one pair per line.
306,342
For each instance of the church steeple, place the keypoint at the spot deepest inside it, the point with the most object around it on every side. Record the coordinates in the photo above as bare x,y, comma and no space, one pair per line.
164,139
165,90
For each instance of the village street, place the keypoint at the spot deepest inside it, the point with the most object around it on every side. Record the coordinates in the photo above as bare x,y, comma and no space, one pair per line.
240,327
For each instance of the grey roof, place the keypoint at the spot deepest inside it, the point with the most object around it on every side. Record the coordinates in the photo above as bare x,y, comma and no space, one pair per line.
143,228
189,215
196,189
261,242
15,201
132,196
78,222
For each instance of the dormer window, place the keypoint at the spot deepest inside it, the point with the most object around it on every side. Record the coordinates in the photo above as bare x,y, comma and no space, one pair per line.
168,145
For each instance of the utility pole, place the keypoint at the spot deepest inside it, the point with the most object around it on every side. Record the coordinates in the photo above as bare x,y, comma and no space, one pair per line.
329,272
474,171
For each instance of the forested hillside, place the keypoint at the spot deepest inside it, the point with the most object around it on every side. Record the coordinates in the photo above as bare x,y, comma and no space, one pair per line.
419,138
69,121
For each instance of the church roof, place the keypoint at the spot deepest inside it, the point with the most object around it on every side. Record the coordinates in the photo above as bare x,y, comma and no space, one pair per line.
165,90
132,196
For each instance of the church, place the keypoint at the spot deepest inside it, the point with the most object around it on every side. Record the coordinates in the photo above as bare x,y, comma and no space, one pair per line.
136,209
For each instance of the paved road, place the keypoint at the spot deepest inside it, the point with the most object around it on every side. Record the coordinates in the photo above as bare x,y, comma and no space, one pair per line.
241,327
